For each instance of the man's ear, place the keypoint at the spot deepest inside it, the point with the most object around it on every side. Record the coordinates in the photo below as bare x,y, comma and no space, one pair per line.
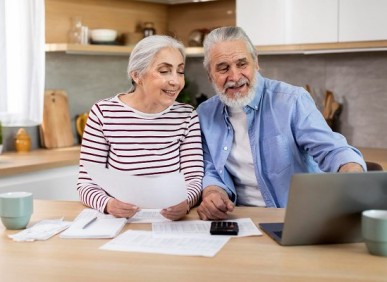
209,77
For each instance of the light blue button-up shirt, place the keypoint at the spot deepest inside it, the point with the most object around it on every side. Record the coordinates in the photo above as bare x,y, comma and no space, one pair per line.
287,135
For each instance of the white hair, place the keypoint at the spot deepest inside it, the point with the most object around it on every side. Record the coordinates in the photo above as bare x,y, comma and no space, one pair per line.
145,51
227,33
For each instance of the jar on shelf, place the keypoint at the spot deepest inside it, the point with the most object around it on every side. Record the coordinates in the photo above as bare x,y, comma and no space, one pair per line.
148,29
22,141
75,32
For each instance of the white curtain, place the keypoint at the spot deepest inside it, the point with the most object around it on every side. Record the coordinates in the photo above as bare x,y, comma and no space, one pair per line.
22,62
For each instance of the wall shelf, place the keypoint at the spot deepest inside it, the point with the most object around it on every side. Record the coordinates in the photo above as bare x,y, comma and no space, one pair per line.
90,49
321,48
315,48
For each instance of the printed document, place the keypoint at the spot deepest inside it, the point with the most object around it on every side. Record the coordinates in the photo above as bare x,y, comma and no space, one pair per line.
202,228
144,242
147,192
148,216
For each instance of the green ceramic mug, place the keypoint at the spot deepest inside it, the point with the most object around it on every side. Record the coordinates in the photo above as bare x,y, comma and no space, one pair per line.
16,209
374,230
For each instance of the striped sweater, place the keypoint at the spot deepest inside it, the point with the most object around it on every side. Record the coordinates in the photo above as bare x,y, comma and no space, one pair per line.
118,137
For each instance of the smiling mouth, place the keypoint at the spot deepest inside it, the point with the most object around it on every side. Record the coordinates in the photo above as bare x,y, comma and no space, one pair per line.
235,88
171,93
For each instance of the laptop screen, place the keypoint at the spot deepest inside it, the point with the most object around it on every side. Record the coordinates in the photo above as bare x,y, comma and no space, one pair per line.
326,208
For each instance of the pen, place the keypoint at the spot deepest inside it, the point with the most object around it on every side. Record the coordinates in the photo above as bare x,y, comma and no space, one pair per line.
89,222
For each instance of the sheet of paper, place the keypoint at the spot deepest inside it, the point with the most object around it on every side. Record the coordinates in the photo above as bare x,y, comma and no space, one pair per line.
202,228
148,216
148,192
42,230
144,242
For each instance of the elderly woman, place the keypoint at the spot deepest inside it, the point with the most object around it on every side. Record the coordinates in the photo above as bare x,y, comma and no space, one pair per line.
145,131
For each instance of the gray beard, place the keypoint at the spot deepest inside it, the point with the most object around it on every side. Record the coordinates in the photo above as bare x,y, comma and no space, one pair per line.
237,101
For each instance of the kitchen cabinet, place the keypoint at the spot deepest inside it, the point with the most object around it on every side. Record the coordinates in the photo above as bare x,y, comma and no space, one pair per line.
318,26
124,16
275,22
49,184
129,16
275,26
310,21
362,20
48,174
262,20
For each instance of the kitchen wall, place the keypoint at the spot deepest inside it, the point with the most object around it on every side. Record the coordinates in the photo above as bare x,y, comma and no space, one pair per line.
358,81
122,15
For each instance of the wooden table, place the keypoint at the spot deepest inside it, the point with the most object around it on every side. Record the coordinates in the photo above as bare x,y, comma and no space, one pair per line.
241,259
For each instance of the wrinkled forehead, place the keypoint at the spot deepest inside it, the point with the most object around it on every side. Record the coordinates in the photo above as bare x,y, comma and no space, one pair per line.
228,52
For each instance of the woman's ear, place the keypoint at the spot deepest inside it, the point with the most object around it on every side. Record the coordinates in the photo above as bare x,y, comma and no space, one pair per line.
136,78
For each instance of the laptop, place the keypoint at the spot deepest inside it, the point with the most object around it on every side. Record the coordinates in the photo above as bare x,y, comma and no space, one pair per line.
326,208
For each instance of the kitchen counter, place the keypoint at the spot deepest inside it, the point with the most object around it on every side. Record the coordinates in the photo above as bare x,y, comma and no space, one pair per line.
12,163
375,155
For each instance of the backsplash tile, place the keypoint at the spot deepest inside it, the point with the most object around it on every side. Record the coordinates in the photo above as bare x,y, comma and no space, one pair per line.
358,80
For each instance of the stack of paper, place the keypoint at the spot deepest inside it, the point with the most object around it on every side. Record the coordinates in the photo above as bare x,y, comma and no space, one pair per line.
42,230
190,238
202,228
93,224
145,242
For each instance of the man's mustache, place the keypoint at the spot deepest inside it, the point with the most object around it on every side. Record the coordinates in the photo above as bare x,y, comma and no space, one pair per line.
240,82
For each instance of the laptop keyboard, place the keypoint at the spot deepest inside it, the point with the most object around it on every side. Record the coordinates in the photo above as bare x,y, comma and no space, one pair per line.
278,233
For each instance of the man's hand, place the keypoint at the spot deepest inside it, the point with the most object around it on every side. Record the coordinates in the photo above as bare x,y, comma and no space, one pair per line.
215,204
176,212
351,167
121,209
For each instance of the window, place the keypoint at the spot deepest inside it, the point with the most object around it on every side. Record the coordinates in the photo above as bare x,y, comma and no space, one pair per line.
22,62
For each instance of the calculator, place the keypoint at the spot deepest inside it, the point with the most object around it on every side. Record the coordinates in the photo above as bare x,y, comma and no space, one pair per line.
224,228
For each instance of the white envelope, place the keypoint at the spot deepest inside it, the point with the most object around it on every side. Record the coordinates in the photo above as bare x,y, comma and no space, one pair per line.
147,192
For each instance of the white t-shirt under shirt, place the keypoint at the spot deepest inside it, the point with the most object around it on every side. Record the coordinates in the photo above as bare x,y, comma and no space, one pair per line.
240,162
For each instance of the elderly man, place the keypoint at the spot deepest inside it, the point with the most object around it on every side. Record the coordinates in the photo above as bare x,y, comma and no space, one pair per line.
258,132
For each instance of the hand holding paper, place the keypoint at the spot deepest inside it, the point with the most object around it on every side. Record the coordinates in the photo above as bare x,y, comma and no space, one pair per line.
176,212
120,209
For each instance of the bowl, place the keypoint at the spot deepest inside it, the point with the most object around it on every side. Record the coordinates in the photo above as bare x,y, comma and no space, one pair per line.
103,35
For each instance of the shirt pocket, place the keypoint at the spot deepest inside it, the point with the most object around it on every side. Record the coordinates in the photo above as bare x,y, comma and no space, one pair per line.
276,154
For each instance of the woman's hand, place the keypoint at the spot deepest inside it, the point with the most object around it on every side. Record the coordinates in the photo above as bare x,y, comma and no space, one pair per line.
176,212
121,209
